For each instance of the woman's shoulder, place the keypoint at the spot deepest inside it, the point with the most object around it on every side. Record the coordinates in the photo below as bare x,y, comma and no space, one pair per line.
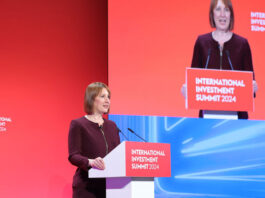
205,37
78,121
238,38
77,125
110,122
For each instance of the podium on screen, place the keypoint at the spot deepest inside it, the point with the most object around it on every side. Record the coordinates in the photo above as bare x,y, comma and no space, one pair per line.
219,90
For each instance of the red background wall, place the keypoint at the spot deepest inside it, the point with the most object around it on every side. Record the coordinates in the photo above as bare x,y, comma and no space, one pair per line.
49,51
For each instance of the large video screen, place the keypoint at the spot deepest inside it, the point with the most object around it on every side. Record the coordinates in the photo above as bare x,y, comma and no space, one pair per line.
151,44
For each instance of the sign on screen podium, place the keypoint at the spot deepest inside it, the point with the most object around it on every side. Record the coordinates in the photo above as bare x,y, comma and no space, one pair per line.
220,93
131,168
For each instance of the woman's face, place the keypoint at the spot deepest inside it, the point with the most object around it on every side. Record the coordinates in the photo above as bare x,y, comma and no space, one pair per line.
102,102
221,15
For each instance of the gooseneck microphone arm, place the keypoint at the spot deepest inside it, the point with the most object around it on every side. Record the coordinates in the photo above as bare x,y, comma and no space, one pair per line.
229,60
123,134
137,135
208,58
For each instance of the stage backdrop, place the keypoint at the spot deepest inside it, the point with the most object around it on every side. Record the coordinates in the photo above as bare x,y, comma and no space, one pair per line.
50,50
151,43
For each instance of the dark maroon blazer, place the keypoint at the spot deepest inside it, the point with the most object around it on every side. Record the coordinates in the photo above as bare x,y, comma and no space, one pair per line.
85,142
236,49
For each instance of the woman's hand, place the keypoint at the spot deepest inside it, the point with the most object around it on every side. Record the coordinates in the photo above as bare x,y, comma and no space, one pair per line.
97,163
255,86
184,90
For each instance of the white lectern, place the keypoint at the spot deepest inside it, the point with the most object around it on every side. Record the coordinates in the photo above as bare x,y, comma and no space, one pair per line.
131,168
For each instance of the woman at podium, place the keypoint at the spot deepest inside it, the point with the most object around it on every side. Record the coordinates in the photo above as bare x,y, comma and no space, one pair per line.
91,138
222,49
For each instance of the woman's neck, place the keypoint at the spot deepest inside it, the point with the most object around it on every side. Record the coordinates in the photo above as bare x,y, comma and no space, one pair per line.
95,117
222,36
222,32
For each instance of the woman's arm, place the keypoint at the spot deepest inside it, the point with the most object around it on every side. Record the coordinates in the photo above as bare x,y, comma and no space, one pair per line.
74,147
196,58
248,64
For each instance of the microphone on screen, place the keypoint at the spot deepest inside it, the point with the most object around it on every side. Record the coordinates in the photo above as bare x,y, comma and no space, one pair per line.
229,60
136,135
123,134
208,58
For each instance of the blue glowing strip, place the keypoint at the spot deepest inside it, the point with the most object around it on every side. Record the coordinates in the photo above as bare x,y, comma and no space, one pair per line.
228,138
187,141
203,175
169,128
250,146
221,123
174,194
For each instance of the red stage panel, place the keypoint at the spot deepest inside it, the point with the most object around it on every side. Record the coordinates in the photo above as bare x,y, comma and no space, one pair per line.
50,51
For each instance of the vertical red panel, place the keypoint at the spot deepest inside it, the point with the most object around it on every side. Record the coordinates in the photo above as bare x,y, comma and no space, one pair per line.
50,50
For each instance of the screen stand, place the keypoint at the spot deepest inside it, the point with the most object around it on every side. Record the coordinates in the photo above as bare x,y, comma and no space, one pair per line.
232,115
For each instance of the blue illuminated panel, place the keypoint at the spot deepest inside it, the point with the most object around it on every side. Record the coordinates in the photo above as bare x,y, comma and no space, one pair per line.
210,158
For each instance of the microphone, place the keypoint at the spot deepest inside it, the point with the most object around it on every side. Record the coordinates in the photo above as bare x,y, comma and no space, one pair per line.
123,134
137,135
100,126
208,58
229,60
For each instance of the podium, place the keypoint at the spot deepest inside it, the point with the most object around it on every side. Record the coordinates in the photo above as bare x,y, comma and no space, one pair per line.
220,93
131,168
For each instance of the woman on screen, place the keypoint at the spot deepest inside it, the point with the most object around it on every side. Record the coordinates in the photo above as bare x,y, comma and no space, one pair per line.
91,138
222,49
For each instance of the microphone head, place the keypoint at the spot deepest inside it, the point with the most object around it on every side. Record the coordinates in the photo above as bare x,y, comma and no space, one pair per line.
131,130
